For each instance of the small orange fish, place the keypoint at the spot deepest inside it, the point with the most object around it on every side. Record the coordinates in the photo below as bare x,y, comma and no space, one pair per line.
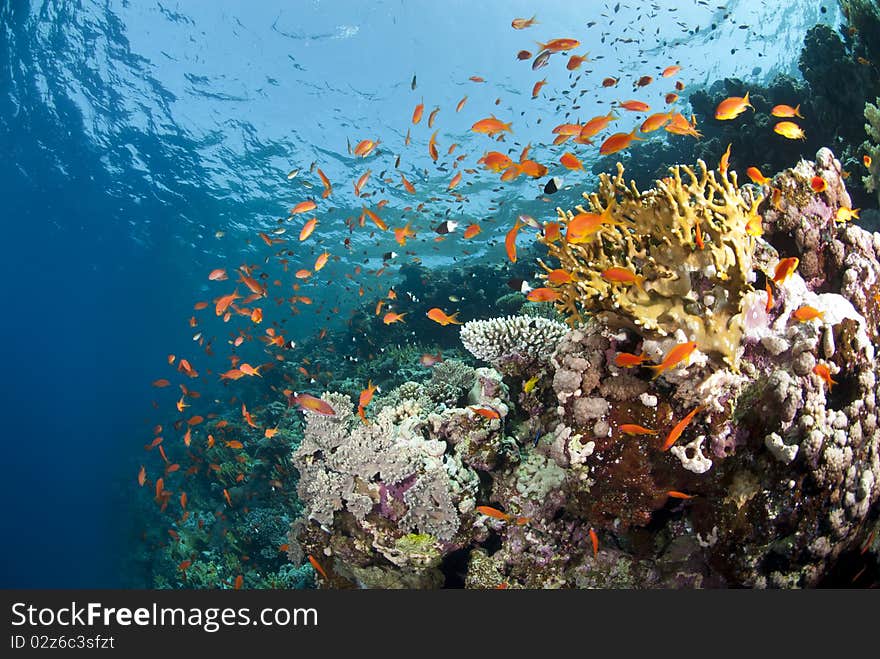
575,61
559,45
824,372
522,23
489,511
724,163
675,433
583,225
670,71
670,98
594,539
570,161
438,316
769,290
142,476
866,159
784,269
361,182
495,161
432,116
235,444
623,276
304,207
239,580
786,111
806,313
675,494
218,274
618,142
270,433
308,228
461,104
490,126
560,276
731,108
756,176
328,188
542,295
402,233
655,122
471,231
313,404
790,130
183,565
227,497
676,355
629,360
610,82
510,241
537,88
318,567
365,148
635,106
485,412
417,113
818,184
366,395
161,383
392,317
635,429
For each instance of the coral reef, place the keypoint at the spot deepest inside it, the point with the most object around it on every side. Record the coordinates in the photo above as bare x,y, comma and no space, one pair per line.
514,343
687,244
753,462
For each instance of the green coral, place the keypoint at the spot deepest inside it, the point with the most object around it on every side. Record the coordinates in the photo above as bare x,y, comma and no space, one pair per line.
872,148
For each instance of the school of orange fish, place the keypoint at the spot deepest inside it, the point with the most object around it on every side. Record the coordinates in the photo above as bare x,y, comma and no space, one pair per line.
198,434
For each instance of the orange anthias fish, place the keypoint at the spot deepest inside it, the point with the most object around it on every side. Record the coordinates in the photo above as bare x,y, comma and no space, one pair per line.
559,45
789,130
392,317
542,295
807,313
304,207
522,23
366,395
818,184
510,241
490,126
417,113
308,228
222,303
785,268
438,316
495,161
595,125
365,148
655,122
824,372
756,176
328,188
629,360
489,511
635,429
312,404
570,161
675,356
618,142
731,108
786,111
537,87
618,275
485,412
218,274
675,433
560,276
582,226
670,71
575,61
724,163
594,540
142,476
321,261
471,231
402,233
317,566
635,106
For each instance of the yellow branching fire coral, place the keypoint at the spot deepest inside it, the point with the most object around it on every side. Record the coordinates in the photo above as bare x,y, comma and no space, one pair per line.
689,242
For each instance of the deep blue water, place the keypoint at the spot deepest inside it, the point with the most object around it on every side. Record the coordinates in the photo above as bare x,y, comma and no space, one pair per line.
131,132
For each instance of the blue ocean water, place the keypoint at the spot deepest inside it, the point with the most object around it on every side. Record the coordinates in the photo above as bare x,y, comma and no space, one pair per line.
133,132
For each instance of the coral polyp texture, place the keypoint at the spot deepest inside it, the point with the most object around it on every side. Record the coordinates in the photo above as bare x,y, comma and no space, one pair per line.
688,244
747,456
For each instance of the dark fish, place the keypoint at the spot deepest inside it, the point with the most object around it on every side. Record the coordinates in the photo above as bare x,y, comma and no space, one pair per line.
523,54
446,227
518,284
553,185
387,256
413,83
541,60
